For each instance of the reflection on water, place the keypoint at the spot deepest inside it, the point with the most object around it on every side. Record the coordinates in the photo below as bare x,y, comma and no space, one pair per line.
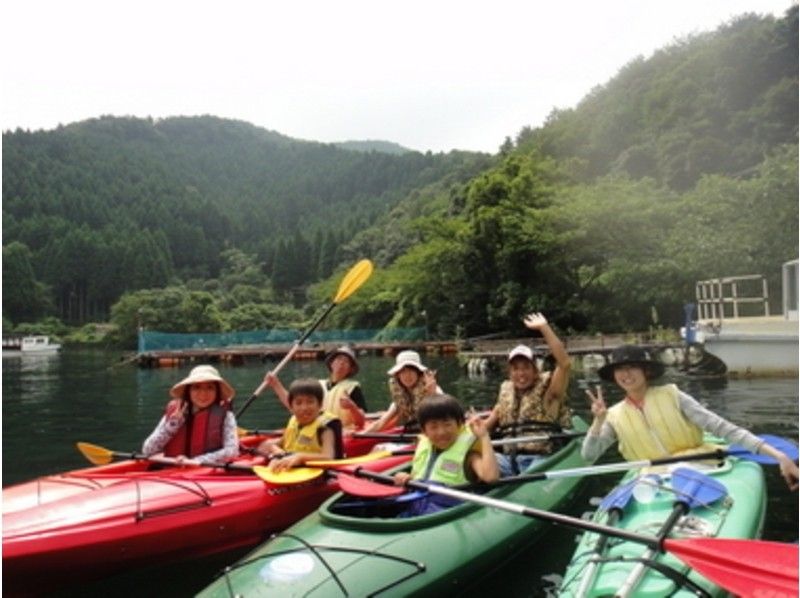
52,401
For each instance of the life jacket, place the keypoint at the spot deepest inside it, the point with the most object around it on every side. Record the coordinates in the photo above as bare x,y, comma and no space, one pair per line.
307,439
407,399
200,433
449,466
333,396
529,406
658,429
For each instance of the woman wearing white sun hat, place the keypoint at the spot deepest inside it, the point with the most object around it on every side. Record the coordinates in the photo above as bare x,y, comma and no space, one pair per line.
409,382
198,425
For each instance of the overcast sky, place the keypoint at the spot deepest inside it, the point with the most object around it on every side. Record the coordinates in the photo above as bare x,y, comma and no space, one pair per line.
430,75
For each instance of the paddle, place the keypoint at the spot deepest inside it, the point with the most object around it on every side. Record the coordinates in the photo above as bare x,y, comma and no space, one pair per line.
98,455
498,442
779,443
352,281
240,432
375,455
771,567
692,489
314,469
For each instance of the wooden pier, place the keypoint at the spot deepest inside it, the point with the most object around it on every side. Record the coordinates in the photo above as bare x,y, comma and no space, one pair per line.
239,355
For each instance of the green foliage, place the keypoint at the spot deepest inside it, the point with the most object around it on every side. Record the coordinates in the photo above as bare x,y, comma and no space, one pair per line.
681,168
709,104
24,297
112,205
48,326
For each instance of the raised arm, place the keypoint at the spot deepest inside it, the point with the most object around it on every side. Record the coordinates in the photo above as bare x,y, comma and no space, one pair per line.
277,387
560,378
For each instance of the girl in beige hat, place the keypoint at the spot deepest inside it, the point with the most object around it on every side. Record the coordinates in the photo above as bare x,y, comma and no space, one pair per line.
198,426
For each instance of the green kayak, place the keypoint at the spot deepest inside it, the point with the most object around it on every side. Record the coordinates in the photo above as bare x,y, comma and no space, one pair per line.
604,567
356,547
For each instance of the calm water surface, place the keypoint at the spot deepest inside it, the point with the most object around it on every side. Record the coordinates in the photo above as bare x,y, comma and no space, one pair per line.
51,402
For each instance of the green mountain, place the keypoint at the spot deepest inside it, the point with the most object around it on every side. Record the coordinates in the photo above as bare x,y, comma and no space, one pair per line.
682,167
386,147
115,204
715,103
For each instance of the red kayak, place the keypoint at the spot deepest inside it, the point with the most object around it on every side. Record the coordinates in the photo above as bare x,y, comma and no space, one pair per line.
90,523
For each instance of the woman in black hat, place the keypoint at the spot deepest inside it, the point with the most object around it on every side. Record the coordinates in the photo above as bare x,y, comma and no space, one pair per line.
343,395
658,421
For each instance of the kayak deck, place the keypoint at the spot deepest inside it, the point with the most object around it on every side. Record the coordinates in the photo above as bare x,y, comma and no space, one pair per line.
738,514
91,523
335,552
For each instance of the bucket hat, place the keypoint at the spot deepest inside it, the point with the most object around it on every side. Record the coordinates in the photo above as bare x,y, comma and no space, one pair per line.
407,359
631,355
203,373
343,350
522,351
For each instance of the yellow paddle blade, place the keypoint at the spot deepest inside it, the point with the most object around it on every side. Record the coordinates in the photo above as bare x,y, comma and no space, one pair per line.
357,276
97,455
289,476
350,461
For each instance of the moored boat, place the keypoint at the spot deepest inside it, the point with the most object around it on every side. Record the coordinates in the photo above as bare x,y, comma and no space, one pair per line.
94,522
360,548
29,345
602,567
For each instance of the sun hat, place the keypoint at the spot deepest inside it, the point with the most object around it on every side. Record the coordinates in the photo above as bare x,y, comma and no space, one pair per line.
407,359
203,373
631,355
343,350
522,351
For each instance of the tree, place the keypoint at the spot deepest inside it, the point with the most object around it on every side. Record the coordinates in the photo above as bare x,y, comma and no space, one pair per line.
24,297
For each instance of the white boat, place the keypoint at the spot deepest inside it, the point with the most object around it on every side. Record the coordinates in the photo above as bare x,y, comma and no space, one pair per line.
29,345
749,344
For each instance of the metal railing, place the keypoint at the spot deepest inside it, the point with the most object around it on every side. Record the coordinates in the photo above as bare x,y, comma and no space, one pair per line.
720,298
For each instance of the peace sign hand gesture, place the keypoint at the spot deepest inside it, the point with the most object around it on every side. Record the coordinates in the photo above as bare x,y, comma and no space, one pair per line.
599,408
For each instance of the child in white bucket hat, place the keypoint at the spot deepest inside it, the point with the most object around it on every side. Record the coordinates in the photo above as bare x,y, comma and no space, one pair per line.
198,425
409,382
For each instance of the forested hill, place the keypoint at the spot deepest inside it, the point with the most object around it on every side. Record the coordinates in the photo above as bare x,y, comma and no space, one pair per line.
683,167
116,204
712,103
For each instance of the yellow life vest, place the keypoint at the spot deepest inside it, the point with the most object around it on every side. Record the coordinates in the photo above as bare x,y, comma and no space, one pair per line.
306,439
450,465
658,429
333,397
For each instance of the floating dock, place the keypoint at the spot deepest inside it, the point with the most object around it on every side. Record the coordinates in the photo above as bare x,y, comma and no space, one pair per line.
238,355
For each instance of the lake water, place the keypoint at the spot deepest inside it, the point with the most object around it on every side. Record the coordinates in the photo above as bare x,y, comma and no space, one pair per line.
51,402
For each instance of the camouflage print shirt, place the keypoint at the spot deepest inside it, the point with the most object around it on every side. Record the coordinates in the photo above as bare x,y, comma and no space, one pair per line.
531,406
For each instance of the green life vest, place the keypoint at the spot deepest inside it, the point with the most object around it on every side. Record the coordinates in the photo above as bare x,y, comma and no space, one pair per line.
449,466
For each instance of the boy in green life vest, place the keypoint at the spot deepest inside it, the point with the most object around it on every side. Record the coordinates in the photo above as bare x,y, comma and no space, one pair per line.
311,433
450,451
